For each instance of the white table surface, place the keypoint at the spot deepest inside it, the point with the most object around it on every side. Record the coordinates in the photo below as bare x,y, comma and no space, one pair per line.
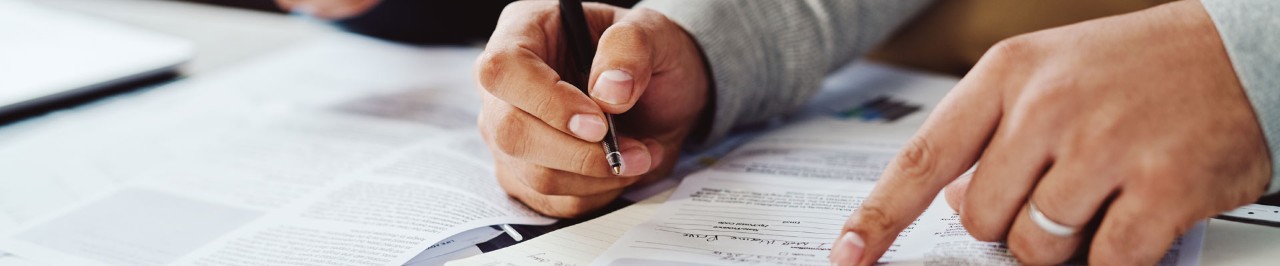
225,36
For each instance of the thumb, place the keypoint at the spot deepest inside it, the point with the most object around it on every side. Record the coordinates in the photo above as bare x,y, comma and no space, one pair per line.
955,191
623,64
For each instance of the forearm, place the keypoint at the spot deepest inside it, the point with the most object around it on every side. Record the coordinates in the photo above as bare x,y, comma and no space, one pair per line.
768,57
1250,30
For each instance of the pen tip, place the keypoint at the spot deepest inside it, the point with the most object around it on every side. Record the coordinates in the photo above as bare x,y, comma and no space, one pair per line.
617,170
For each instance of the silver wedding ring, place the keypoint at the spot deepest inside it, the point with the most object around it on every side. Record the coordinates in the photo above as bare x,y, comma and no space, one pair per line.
1048,225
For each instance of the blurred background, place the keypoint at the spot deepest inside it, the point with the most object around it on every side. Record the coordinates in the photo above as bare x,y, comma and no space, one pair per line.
410,21
948,39
69,52
422,60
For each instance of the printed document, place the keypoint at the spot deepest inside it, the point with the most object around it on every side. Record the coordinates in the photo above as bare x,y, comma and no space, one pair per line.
782,199
344,151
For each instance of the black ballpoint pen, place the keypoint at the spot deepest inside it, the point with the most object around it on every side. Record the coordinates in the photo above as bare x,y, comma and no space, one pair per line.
576,68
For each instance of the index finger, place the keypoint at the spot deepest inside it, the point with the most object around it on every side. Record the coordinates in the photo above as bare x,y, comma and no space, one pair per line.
948,144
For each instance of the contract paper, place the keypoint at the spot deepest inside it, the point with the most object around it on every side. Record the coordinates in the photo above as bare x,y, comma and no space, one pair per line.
343,151
782,200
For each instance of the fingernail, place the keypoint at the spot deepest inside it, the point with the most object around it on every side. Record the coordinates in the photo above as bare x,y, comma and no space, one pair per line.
635,160
613,87
848,250
587,127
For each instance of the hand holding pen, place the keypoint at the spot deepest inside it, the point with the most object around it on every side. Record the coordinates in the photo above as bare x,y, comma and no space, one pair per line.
545,133
576,66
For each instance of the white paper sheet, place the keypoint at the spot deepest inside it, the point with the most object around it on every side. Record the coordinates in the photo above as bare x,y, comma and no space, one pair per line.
16,261
341,151
743,219
52,161
7,222
783,198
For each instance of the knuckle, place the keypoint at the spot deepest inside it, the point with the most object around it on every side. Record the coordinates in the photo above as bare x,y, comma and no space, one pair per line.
656,22
1060,85
1037,110
630,34
544,207
582,162
918,160
1124,175
1010,50
547,105
1162,172
485,120
1049,93
509,134
519,189
1113,249
1020,129
490,64
1037,251
871,220
550,207
971,222
570,207
543,181
1102,134
1044,94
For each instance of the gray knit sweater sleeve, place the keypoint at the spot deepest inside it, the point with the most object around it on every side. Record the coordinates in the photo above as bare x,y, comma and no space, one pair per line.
767,57
1250,30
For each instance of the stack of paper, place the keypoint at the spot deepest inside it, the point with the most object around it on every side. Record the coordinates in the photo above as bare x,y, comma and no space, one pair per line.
342,151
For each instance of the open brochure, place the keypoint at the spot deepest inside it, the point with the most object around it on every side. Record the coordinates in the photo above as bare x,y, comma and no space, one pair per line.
340,151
